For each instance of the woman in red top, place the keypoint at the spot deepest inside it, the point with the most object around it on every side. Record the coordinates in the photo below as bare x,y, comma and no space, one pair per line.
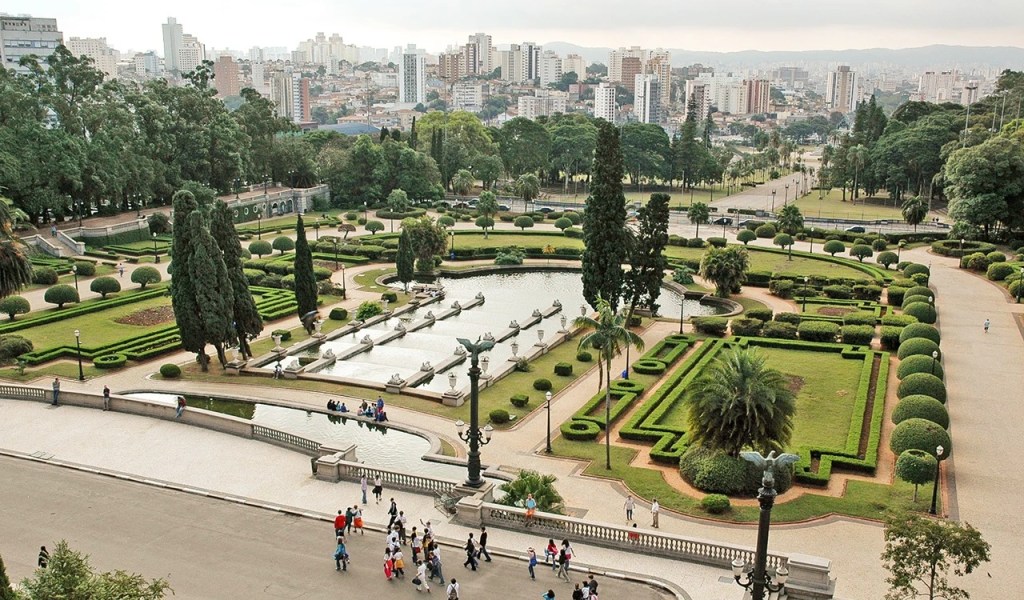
339,523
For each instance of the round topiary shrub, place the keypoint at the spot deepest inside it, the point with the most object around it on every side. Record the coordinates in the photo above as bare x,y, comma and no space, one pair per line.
170,371
920,330
584,356
627,385
919,406
715,504
922,383
918,346
920,434
110,361
542,384
695,243
711,325
916,467
999,271
284,333
60,295
14,305
746,236
922,311
104,286
44,276
895,295
13,346
996,257
519,400
919,363
921,290
145,276
498,416
649,366
338,314
915,268
580,430
85,268
746,326
766,231
719,473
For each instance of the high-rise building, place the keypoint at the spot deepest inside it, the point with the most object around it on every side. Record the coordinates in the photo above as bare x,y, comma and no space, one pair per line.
615,58
281,93
484,53
469,96
225,76
148,65
412,76
191,54
24,36
511,63
758,96
259,78
470,61
550,68
604,102
574,63
103,57
660,64
543,103
529,62
173,35
937,86
630,66
790,78
698,93
301,110
841,92
647,98
450,66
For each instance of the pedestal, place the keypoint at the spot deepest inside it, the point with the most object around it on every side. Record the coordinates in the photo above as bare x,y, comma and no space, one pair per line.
453,398
234,367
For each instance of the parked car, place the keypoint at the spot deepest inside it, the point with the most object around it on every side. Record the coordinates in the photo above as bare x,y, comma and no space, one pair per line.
722,221
856,229
748,223
504,207
545,209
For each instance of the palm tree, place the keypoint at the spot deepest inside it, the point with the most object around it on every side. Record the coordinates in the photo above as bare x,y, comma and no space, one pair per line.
15,268
914,209
463,182
609,334
531,482
488,206
738,402
528,187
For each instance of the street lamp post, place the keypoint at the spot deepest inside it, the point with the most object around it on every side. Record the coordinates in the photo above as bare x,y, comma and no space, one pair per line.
474,435
78,346
238,184
773,201
335,254
547,396
344,294
451,234
259,223
785,200
935,485
806,281
935,357
156,256
757,578
366,209
961,253
970,87
74,271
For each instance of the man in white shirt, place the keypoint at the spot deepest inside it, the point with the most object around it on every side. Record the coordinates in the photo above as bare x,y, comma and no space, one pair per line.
655,509
453,590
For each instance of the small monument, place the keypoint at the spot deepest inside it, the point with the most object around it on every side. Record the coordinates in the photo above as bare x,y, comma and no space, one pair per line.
394,384
400,327
277,342
514,324
488,337
426,367
317,326
479,296
536,313
564,321
366,341
484,363
540,339
456,305
460,351
430,316
452,396
557,304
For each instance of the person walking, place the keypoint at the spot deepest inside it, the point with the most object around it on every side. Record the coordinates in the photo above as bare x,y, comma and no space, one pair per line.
357,519
350,515
120,270
56,390
399,559
531,562
435,562
400,524
106,397
655,509
181,407
482,550
392,511
362,486
563,565
453,590
470,553
339,524
569,553
341,555
987,325
389,565
592,584
416,544
629,506
378,488
551,554
420,580
44,558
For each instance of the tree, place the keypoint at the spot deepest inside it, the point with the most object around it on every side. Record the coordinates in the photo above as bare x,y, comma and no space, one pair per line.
69,575
604,223
398,200
305,281
916,467
834,246
373,227
14,305
861,251
699,214
104,286
920,552
147,275
260,247
60,295
563,223
887,258
245,317
647,260
542,487
738,402
524,146
428,240
914,210
607,337
213,289
528,187
789,219
484,223
488,207
463,182
784,240
6,592
523,221
488,169
645,150
726,268
15,268
283,243
405,260
746,236
986,183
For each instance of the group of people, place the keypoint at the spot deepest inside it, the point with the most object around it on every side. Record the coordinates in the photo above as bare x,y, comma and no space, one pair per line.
337,406
374,410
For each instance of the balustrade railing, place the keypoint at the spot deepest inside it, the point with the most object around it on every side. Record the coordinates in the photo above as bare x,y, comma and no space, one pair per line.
22,392
288,439
406,481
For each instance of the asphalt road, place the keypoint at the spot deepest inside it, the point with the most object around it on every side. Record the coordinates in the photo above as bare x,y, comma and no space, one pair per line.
210,548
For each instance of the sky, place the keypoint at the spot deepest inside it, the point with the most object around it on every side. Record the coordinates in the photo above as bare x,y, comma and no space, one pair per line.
436,24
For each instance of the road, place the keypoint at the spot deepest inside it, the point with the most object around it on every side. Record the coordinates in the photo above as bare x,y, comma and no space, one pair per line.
215,549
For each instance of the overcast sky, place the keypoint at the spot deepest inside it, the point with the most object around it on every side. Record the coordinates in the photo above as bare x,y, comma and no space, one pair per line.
435,24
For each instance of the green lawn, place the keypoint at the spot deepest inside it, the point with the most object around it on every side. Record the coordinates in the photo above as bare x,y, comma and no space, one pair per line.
62,368
778,263
97,328
832,206
476,240
366,280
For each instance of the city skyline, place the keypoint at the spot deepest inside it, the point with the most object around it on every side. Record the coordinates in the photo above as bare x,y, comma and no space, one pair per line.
773,25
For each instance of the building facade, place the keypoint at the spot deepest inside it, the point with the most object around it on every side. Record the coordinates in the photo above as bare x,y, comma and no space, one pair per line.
103,56
604,102
27,36
647,98
226,76
543,103
412,76
841,90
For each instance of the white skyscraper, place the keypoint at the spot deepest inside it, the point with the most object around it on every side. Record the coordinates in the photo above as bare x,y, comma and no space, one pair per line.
841,92
574,64
23,36
604,102
484,53
550,68
173,35
412,76
530,61
647,99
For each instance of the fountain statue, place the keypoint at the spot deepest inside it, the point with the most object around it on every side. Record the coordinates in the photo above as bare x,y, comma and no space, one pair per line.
514,324
536,312
456,305
564,320
400,327
234,354
426,366
396,379
329,354
460,351
479,296
557,304
367,340
277,342
488,337
430,316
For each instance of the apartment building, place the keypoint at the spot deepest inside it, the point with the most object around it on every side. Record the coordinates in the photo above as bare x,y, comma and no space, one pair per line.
604,102
543,103
412,76
841,91
24,35
647,98
226,76
103,56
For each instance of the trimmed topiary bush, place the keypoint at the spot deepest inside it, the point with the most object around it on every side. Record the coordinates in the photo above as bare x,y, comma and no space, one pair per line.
717,472
498,416
996,257
145,276
867,292
170,371
895,295
924,312
975,262
861,251
908,300
999,271
284,333
14,305
898,320
711,325
918,346
916,467
695,243
85,268
887,258
563,369
920,330
859,318
922,383
13,346
745,326
715,504
922,290
788,317
920,434
584,356
60,295
761,314
839,292
283,244
919,363
766,231
783,288
110,361
542,384
104,286
858,335
519,400
915,268
818,331
338,314
746,236
919,406
580,430
649,366
44,276
834,247
890,337
779,330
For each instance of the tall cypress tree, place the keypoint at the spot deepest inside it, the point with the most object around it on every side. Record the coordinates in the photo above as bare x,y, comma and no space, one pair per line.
604,222
6,592
213,291
647,261
405,260
412,135
183,287
305,281
247,321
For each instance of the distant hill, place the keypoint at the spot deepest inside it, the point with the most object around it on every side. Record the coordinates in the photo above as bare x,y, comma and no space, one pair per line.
925,57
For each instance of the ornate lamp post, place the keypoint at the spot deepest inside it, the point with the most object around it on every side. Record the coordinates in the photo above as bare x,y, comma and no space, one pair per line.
474,435
785,200
259,223
156,257
344,294
935,357
682,308
336,254
757,579
316,228
806,281
935,484
773,201
74,271
547,396
78,345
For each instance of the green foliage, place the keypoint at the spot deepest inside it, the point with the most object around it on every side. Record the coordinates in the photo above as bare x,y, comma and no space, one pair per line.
13,346
145,276
915,268
170,371
14,305
859,318
563,369
908,300
604,234
498,416
283,244
70,575
890,337
1000,271
368,309
305,280
919,553
834,247
783,288
542,487
104,286
717,472
44,276
746,326
542,384
285,334
405,260
726,268
110,361
642,282
60,295
919,406
584,357
260,248
519,400
922,311
918,346
766,231
779,330
861,251
975,262
85,268
389,296
840,292
818,331
783,240
715,504
523,221
920,330
338,314
857,335
789,219
711,325
919,363
509,256
683,275
746,236
762,314
922,383
916,467
895,295
887,258
921,434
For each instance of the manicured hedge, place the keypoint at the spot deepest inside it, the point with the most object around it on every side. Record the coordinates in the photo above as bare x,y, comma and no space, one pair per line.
649,366
953,247
999,271
895,295
762,314
110,361
919,406
580,431
921,434
857,335
498,416
922,383
898,320
920,330
860,318
338,314
922,311
918,346
919,363
818,331
915,268
922,290
711,325
563,369
519,400
890,337
170,371
779,330
908,300
542,384
746,326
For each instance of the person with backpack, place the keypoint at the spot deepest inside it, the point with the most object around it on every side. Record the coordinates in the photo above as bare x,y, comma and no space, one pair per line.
341,555
563,565
453,590
531,561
